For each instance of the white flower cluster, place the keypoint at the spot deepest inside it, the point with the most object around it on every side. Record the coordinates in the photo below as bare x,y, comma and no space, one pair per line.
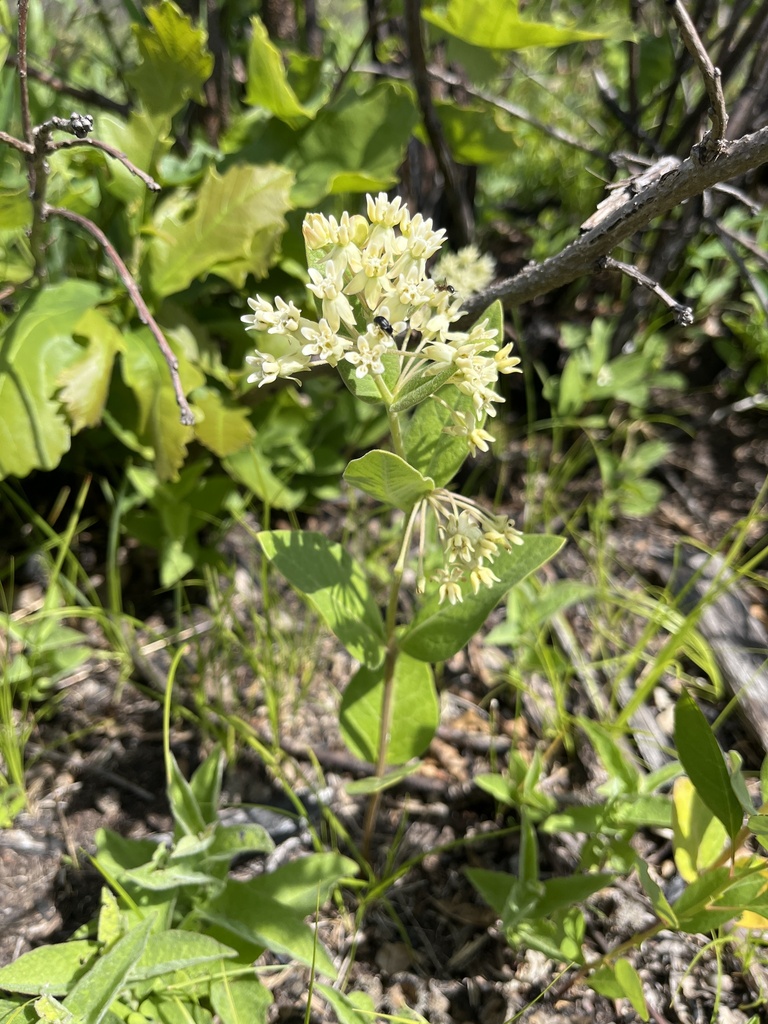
468,269
470,537
369,277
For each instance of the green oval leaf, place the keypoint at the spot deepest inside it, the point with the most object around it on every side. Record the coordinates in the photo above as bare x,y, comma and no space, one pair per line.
439,631
50,968
758,824
93,994
703,761
427,447
631,987
388,478
333,584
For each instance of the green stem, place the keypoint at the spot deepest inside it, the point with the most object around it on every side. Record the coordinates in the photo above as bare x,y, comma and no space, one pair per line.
394,420
390,661
613,954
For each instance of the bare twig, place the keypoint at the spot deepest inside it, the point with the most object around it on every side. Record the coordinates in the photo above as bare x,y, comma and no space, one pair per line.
688,179
729,60
457,200
513,110
454,80
11,140
713,142
752,279
682,314
187,416
76,124
26,119
79,125
148,180
89,97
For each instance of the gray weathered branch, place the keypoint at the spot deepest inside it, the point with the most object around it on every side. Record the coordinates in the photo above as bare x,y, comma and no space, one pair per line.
689,179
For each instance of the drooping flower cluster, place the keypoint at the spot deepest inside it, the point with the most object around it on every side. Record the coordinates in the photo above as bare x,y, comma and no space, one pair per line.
470,538
368,275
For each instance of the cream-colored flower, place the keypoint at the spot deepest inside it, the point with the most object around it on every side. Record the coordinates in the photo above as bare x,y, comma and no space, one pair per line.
471,539
324,343
263,316
383,210
368,274
269,367
329,288
506,363
366,356
450,585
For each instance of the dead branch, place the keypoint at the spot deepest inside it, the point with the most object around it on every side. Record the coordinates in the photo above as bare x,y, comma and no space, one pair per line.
187,416
685,181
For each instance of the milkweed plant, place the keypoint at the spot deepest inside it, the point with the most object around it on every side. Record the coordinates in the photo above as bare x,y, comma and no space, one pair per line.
392,333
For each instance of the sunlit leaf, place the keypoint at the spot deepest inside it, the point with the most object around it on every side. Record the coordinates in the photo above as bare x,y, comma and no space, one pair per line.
15,205
268,84
498,26
375,124
145,371
95,991
334,584
144,138
238,216
699,836
35,349
174,59
85,383
388,478
50,968
223,427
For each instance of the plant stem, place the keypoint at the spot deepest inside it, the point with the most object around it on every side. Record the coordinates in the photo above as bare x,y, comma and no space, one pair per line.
394,420
633,943
387,700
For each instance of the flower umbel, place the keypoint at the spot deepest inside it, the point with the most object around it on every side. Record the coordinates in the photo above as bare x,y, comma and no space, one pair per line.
471,539
376,301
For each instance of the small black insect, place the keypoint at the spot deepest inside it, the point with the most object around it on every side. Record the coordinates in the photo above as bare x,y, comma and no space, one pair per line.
446,288
383,324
